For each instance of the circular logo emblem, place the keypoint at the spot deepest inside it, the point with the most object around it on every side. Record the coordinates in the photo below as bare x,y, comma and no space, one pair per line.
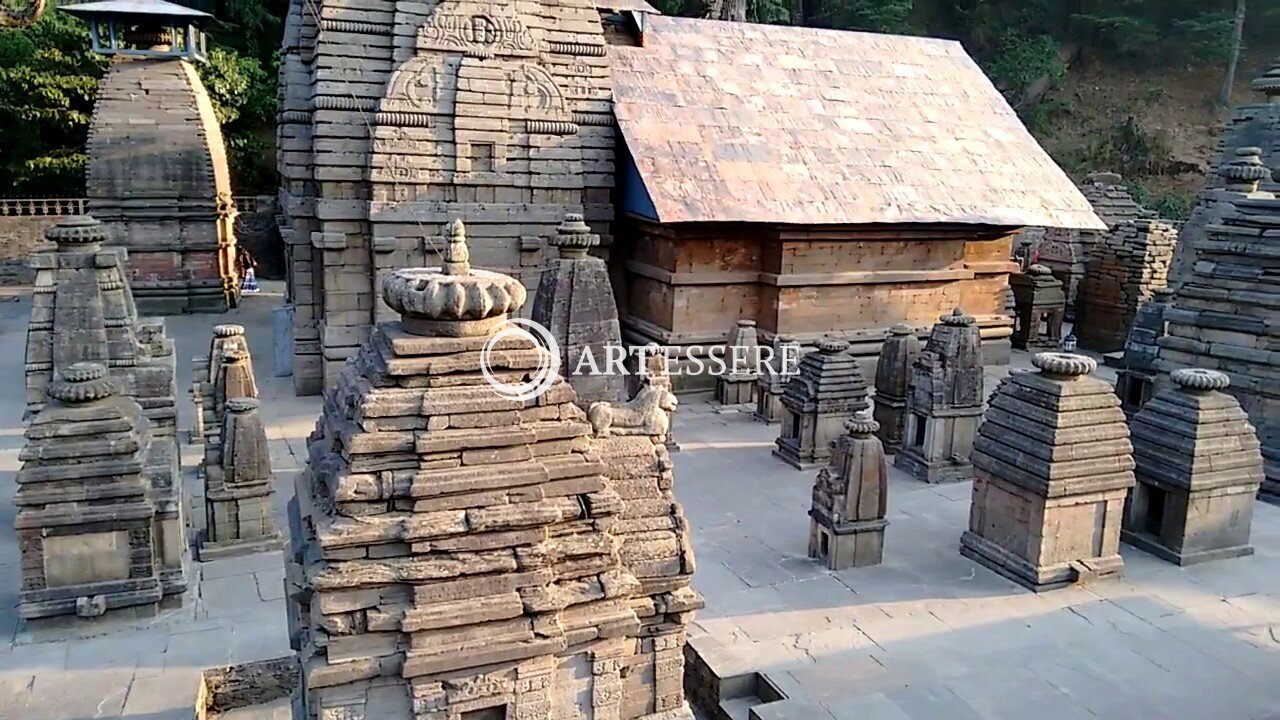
540,378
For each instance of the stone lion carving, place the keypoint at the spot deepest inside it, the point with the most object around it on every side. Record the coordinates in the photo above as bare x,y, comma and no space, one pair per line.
648,413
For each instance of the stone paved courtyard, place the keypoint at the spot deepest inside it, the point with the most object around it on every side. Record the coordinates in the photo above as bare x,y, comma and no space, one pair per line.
928,634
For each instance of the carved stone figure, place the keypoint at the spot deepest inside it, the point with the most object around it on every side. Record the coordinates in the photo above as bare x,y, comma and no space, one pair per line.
893,375
1198,468
1052,466
648,413
480,545
944,405
97,527
827,389
850,497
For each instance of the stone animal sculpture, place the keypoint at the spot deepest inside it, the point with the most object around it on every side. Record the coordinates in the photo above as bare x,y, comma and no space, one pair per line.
12,18
648,413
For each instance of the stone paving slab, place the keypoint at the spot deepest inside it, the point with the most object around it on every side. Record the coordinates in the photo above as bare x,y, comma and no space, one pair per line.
926,635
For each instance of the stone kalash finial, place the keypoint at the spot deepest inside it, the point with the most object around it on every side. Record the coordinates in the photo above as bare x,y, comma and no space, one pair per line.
850,499
1198,465
78,232
228,330
1269,83
957,318
832,345
1243,173
82,383
573,237
453,300
1052,467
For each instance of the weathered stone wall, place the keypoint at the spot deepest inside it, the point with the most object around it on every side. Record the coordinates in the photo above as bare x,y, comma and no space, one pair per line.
24,220
398,118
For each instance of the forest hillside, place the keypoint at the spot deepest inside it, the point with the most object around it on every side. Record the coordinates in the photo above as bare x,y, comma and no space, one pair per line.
1139,87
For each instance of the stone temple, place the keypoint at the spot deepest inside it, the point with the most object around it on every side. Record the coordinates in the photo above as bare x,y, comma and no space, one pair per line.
157,171
460,552
711,207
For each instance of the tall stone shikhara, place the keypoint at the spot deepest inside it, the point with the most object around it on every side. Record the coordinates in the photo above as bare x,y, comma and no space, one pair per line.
850,498
1066,252
1124,270
827,389
98,524
403,117
575,304
893,383
456,552
944,402
157,177
1135,381
82,310
1224,316
1052,467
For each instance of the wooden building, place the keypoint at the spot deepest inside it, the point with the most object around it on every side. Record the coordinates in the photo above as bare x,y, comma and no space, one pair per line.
817,181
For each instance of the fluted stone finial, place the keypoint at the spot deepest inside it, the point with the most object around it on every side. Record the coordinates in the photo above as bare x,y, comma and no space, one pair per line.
1038,269
573,236
901,330
81,383
228,330
831,345
861,425
242,404
1269,82
76,232
958,318
1063,365
454,300
1199,380
1245,171
457,258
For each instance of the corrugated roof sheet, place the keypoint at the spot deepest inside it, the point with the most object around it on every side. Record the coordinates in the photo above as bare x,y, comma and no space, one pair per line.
159,8
738,122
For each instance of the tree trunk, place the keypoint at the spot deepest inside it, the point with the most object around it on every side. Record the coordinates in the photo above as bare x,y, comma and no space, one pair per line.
1224,95
734,10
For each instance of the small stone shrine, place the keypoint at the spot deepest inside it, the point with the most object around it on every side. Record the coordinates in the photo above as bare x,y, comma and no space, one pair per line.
893,375
850,499
737,385
456,549
99,525
156,170
238,489
1040,306
1052,466
944,404
1253,124
1125,268
1198,468
82,311
782,365
575,304
205,371
1135,380
1066,252
1224,317
828,389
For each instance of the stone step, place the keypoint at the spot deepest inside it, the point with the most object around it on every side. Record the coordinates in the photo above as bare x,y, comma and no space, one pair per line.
278,709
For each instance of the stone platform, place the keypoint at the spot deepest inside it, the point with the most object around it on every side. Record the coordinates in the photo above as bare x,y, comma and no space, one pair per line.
925,635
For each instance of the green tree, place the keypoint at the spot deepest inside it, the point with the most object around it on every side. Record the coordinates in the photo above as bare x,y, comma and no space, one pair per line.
48,81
